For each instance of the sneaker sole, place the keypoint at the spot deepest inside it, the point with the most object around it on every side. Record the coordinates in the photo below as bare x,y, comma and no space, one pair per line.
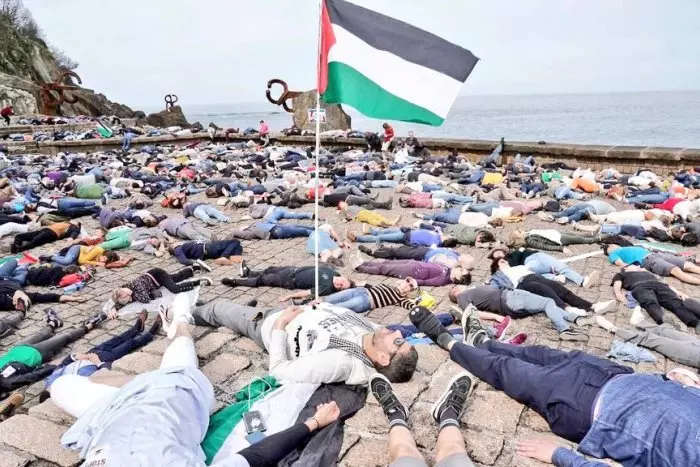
446,392
203,265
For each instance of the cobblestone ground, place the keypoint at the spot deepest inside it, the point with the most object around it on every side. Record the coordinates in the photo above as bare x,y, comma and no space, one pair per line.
492,422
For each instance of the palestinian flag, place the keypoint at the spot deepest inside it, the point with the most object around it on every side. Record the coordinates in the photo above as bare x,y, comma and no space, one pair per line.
386,68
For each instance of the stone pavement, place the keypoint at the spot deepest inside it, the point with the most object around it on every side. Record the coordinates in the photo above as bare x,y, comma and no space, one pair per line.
492,423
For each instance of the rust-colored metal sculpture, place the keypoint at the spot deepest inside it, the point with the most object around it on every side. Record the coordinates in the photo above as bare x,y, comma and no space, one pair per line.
285,96
170,101
52,94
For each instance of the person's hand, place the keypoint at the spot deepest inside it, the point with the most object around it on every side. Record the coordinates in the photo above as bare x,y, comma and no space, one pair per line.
567,252
287,316
72,298
112,314
541,449
326,413
283,298
21,296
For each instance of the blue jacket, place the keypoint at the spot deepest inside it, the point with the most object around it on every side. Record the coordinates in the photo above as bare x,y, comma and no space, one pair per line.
643,420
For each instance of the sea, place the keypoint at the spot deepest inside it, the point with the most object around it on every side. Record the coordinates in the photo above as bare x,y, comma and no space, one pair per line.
627,118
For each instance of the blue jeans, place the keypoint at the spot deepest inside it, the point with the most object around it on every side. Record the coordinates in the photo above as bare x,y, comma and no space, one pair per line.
281,213
530,187
474,178
548,266
382,183
70,257
193,190
631,230
290,231
524,303
429,187
394,235
650,199
484,208
360,176
127,141
494,158
452,198
564,192
69,205
574,213
356,299
450,216
121,345
407,330
10,270
208,214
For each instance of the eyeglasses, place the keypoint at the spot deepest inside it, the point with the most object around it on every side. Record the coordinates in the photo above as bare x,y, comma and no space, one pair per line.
398,342
410,284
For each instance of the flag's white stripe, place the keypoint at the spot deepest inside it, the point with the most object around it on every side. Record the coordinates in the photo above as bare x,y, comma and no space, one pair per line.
416,84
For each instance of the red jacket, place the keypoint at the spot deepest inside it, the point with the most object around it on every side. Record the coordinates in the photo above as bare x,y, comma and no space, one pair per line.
669,204
388,134
7,111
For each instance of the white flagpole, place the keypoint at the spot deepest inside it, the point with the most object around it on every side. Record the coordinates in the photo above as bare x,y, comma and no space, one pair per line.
318,144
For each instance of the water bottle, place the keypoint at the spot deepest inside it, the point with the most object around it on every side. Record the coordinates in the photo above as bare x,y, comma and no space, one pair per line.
73,287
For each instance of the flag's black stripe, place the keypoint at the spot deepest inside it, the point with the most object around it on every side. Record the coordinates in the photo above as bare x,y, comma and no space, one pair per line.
401,39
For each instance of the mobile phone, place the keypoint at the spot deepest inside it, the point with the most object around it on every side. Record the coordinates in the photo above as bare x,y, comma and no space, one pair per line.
253,421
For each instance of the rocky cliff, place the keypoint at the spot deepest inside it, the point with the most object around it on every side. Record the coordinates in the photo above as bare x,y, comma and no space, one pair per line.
26,62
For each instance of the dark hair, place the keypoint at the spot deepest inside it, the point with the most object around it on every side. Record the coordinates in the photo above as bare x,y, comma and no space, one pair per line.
465,279
449,242
401,368
352,284
486,236
605,248
72,269
494,265
689,239
171,250
111,257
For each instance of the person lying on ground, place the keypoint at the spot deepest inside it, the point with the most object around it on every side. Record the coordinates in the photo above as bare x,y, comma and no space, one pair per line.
103,355
425,274
151,241
272,213
82,255
179,227
335,344
270,231
330,246
43,275
144,288
604,407
69,207
578,211
25,362
367,216
292,278
665,339
549,240
205,213
50,234
429,254
223,252
546,265
519,304
465,217
370,297
662,264
465,235
654,295
412,237
12,297
165,397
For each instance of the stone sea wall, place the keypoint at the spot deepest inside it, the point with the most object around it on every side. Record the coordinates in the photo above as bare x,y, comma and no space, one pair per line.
625,158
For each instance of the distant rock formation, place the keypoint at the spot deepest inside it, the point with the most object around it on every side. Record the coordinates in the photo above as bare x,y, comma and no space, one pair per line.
336,118
166,118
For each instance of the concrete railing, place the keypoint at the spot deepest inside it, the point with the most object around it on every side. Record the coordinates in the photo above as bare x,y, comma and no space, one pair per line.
624,158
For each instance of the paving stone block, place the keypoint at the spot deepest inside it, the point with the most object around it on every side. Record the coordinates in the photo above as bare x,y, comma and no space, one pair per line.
368,452
370,419
423,427
493,411
13,459
48,410
139,362
440,380
483,447
430,357
211,343
37,437
225,366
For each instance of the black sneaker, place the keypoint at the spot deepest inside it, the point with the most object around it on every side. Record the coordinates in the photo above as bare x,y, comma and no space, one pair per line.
395,411
449,407
430,325
45,258
96,320
474,332
156,326
5,330
230,281
245,270
573,334
365,249
52,318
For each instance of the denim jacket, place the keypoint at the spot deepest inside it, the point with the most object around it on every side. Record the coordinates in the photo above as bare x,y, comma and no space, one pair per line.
642,420
500,281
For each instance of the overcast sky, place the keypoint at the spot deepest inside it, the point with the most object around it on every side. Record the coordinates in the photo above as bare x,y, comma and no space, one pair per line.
224,51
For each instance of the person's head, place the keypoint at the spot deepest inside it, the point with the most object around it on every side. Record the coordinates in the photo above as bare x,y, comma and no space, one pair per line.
649,216
385,126
392,356
109,257
449,241
689,239
516,238
459,276
485,237
342,283
411,134
171,250
406,286
176,202
456,291
666,220
497,222
609,248
498,253
115,223
211,192
122,295
262,121
150,221
342,206
405,202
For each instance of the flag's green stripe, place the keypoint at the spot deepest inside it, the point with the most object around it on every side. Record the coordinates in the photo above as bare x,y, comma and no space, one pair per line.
348,86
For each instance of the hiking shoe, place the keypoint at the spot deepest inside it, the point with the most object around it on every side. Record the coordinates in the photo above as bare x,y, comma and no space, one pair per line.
141,320
244,270
52,318
591,280
518,339
230,281
96,320
393,408
156,326
201,265
450,405
365,249
456,313
576,311
601,308
9,405
501,328
573,334
430,325
473,331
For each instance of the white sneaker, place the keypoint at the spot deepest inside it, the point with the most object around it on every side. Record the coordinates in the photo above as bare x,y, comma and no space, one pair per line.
356,260
180,313
591,280
562,220
605,324
601,308
637,316
203,265
576,311
545,216
560,278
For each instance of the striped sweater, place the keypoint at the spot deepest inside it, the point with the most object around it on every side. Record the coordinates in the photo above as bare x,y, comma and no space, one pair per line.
387,295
